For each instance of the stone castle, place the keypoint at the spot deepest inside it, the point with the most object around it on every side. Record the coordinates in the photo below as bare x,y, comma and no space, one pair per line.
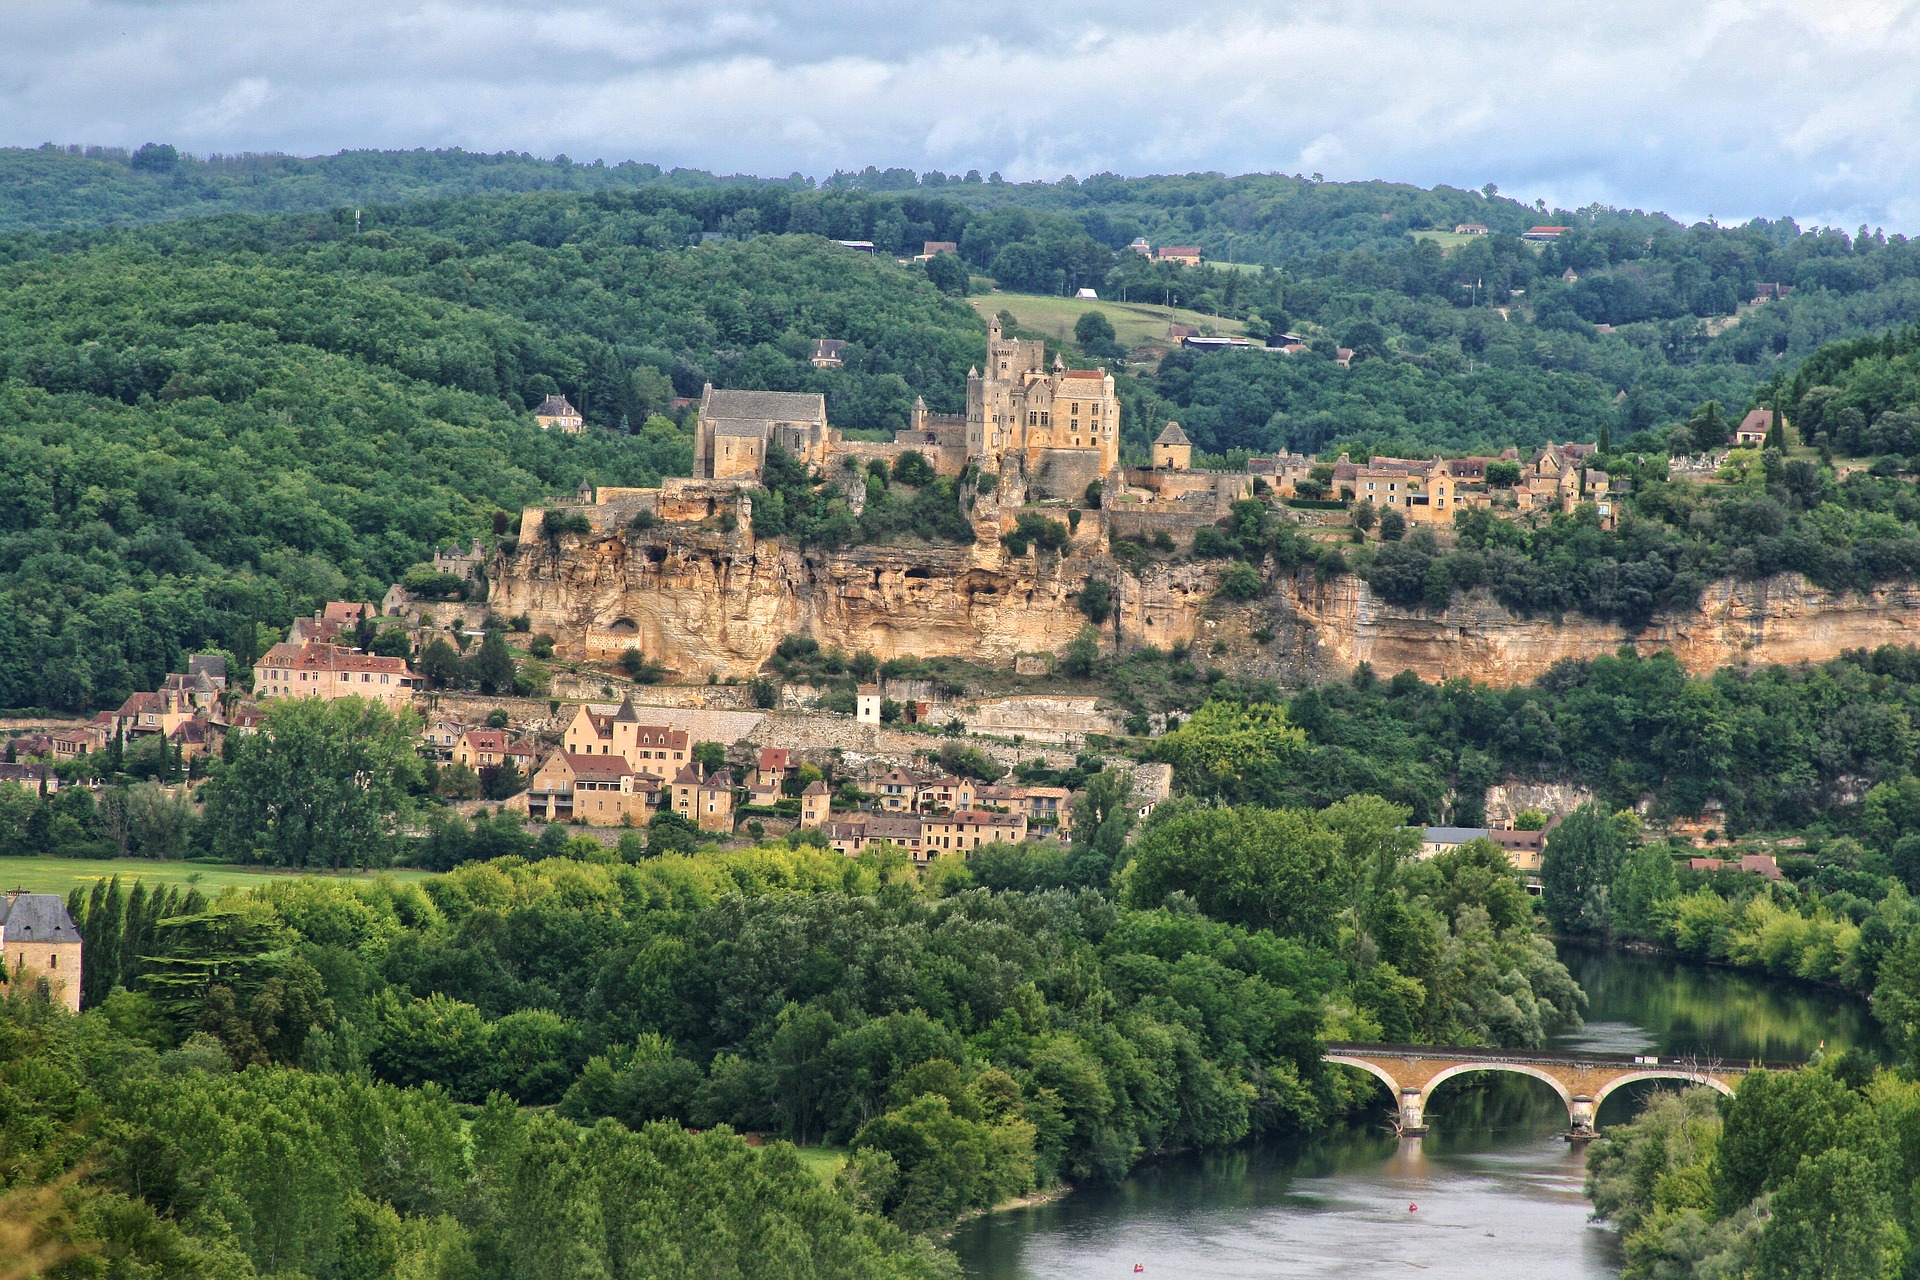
1057,429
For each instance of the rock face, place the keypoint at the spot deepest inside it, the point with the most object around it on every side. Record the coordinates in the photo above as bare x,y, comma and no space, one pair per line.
705,602
1780,619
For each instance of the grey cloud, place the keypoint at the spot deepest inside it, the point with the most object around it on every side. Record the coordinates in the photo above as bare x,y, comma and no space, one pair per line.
1734,108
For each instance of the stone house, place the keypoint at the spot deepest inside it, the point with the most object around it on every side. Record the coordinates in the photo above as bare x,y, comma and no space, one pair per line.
1040,805
713,802
600,790
490,748
1172,450
40,947
556,413
656,750
328,671
816,805
735,430
144,713
1187,255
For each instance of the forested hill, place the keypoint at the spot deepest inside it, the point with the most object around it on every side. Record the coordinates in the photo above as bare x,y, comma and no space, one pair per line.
193,441
50,188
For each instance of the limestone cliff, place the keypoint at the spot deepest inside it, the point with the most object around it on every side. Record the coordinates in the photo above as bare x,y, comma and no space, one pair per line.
703,601
1324,629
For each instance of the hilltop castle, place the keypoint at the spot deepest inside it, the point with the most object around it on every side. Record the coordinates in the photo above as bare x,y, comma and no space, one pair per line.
1059,428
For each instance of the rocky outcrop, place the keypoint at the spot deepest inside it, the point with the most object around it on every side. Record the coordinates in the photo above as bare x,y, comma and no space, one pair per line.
703,601
1780,619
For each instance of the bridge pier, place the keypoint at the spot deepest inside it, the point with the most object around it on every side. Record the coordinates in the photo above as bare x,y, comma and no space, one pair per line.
1581,1109
1413,1106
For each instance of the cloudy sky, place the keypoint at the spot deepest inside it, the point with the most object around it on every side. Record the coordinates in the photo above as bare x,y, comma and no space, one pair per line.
1727,108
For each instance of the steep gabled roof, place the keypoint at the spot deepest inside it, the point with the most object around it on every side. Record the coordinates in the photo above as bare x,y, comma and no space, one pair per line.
36,917
766,406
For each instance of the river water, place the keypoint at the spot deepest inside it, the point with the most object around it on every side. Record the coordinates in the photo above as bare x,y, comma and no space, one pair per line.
1498,1190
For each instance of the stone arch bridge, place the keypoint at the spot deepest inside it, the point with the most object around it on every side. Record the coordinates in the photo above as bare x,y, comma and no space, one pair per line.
1583,1080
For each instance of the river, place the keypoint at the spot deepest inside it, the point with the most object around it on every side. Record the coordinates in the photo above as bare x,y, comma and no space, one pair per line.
1498,1190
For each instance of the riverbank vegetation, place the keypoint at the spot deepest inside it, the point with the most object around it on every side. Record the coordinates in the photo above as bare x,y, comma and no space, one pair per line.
1812,1173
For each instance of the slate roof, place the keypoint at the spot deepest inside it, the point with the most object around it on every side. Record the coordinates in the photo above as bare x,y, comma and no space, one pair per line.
1453,835
1172,435
766,406
36,917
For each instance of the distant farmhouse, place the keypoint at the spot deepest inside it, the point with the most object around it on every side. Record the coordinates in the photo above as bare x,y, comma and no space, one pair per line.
556,413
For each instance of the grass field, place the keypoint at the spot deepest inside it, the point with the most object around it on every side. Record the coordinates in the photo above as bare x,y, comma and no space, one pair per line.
1445,239
824,1162
61,875
1134,324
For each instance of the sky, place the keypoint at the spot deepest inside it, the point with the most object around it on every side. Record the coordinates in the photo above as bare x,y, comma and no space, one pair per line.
1722,108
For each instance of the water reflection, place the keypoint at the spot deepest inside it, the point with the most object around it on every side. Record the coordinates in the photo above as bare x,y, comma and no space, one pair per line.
1645,1004
1497,1188
1497,1194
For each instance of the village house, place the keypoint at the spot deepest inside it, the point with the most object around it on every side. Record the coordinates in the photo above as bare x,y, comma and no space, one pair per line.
1041,806
1470,229
1759,864
927,836
855,833
1751,432
713,802
816,805
656,750
769,776
866,704
825,353
32,775
556,413
602,791
159,712
1544,235
327,625
1187,255
328,671
192,739
490,748
440,735
40,947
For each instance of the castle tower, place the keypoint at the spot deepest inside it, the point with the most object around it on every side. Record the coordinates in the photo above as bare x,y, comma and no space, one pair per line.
1061,425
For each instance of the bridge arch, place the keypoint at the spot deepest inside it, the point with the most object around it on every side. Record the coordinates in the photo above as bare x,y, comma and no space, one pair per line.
1661,1073
1518,1068
1373,1069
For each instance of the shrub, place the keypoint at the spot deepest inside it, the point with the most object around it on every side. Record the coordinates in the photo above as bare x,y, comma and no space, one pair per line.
1241,581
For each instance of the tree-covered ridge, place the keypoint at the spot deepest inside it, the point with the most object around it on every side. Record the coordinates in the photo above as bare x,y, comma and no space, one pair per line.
49,188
